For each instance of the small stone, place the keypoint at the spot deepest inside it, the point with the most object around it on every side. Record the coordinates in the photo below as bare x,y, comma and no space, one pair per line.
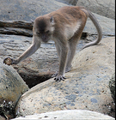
8,61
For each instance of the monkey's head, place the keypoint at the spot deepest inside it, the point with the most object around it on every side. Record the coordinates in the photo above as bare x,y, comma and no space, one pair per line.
44,28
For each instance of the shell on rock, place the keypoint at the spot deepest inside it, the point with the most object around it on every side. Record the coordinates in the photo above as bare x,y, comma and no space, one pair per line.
8,61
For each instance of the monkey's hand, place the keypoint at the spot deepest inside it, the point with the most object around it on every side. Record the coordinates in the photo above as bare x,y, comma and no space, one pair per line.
58,78
9,61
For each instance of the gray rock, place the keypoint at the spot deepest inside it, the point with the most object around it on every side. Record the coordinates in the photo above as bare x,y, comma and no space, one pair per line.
86,86
26,10
112,86
11,87
67,115
101,7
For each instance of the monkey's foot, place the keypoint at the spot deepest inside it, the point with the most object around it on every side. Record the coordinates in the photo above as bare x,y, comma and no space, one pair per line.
58,78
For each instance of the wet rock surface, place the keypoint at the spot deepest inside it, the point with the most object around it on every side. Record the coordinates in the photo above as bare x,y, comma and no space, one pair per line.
86,86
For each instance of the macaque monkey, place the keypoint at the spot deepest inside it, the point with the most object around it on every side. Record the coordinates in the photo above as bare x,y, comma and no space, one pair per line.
64,27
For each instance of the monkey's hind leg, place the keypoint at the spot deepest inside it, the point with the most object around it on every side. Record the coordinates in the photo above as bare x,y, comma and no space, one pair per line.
72,48
62,50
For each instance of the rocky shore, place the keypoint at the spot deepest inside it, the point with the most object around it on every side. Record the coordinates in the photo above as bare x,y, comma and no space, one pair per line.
27,89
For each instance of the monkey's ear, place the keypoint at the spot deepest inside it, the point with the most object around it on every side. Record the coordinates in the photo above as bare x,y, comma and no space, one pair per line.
52,20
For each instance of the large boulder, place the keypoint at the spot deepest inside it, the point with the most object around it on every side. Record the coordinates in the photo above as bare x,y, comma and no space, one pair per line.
26,10
11,88
101,7
67,114
86,86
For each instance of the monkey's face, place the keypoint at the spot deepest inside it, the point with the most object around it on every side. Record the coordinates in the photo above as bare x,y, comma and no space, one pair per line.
44,28
44,35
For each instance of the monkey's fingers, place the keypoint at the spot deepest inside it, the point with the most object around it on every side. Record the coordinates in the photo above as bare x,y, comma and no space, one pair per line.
59,78
8,61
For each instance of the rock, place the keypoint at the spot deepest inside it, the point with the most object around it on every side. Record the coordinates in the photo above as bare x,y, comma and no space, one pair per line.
71,2
11,88
16,31
86,86
101,7
17,14
17,24
26,10
112,86
67,114
16,28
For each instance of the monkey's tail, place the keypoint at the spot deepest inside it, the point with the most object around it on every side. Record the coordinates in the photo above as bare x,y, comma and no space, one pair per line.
99,30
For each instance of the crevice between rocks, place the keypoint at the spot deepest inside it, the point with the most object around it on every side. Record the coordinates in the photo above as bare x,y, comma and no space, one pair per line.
32,77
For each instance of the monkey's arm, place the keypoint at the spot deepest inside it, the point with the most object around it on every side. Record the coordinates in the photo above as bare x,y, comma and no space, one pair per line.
32,49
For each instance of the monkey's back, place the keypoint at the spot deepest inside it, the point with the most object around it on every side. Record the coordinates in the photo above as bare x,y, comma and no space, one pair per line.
68,19
68,14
